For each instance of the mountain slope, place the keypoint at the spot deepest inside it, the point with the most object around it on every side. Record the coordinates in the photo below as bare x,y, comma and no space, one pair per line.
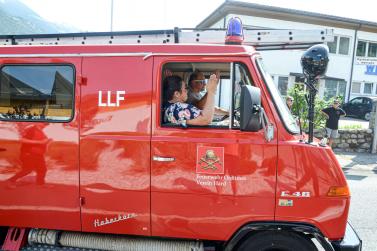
17,18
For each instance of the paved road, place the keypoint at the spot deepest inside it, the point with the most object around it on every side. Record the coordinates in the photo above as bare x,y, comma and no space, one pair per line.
363,211
361,173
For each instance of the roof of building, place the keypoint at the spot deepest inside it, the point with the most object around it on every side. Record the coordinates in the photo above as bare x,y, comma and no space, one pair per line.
252,9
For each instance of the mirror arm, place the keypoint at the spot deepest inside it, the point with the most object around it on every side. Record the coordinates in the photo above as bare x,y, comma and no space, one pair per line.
267,126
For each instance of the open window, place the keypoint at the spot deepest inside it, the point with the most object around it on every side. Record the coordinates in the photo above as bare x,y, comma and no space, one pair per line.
227,101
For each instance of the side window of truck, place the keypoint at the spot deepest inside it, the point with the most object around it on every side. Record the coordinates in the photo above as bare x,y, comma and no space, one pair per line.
176,111
241,77
37,92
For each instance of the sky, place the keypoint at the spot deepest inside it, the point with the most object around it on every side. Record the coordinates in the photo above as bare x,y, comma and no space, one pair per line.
95,15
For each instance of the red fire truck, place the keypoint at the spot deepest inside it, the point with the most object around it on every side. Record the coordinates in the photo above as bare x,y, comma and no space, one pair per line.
87,160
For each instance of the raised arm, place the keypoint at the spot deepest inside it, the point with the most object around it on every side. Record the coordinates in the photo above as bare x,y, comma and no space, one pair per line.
343,113
324,113
208,110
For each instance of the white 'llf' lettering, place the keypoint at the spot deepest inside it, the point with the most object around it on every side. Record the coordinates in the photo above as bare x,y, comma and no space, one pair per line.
108,102
120,96
100,103
109,99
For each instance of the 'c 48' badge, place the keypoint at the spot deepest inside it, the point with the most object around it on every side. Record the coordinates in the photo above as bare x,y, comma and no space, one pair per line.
210,160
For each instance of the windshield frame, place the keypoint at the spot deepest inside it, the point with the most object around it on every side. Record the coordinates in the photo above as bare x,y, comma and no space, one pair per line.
285,114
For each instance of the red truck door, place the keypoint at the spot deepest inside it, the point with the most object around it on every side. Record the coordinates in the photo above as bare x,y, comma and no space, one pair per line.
115,144
207,182
39,182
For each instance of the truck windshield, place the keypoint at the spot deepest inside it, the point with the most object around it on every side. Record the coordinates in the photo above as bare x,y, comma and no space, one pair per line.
285,114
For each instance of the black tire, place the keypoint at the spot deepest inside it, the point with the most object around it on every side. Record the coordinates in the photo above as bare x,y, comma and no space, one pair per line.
274,240
3,234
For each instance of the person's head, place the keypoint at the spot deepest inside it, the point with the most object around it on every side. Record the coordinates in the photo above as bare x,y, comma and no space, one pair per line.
197,81
336,103
175,89
289,101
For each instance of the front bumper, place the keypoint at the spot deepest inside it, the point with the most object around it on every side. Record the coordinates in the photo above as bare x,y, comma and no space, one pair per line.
350,242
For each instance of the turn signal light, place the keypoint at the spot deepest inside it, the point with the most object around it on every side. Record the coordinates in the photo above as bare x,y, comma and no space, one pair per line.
339,191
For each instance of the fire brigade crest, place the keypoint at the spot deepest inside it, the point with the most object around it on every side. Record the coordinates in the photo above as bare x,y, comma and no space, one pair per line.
210,160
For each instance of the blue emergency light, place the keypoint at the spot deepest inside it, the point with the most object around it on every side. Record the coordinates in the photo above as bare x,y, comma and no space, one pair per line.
234,34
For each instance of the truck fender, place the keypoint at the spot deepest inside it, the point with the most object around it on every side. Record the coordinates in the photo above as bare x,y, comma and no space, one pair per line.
245,230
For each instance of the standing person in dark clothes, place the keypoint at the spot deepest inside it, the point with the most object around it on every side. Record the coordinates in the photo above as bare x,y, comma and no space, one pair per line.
333,114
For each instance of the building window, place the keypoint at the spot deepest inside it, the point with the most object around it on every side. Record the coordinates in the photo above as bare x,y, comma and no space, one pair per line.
361,48
334,88
356,87
332,45
283,85
299,79
330,89
366,49
340,45
344,44
342,89
372,50
36,92
368,87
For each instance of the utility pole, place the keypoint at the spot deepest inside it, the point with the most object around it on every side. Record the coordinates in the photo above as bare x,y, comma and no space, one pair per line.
374,142
112,14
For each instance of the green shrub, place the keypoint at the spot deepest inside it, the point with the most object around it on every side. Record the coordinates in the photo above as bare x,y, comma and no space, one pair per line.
300,107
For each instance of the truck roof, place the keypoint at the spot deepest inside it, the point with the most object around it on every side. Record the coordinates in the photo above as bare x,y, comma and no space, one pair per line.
19,50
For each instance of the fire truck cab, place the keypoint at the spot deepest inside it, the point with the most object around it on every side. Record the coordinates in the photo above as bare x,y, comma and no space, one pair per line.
85,149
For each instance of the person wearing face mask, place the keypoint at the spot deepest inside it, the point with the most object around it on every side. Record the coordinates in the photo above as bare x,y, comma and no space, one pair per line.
196,91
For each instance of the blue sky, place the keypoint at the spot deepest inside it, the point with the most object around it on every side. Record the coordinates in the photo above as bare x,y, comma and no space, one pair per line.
94,15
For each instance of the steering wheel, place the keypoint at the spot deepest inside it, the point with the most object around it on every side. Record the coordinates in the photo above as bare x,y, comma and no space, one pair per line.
236,115
223,118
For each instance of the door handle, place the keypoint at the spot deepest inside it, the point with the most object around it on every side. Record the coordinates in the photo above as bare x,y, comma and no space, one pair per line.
163,159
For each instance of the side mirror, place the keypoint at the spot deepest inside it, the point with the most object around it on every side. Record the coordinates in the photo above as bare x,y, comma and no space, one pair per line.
250,109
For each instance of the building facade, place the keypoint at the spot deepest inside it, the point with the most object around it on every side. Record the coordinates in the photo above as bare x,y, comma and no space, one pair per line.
352,70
